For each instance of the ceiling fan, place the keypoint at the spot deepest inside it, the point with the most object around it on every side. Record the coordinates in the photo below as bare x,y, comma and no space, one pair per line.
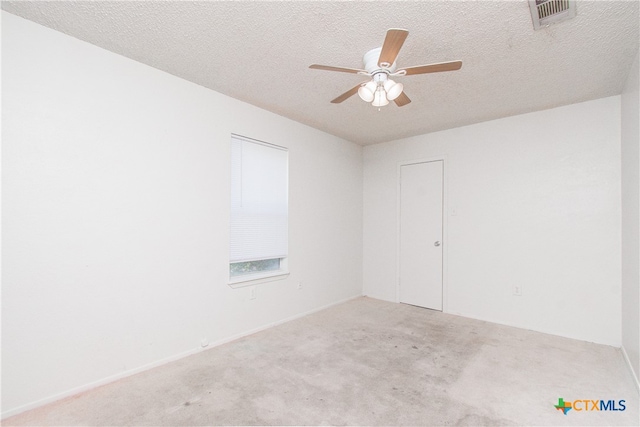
380,65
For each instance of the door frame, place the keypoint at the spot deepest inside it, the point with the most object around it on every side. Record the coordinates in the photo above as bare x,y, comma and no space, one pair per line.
445,219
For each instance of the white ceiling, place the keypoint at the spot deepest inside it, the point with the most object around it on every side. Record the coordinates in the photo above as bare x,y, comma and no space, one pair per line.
259,52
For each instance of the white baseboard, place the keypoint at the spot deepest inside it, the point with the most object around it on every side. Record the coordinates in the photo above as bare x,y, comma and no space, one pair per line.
279,322
94,384
128,373
634,374
615,344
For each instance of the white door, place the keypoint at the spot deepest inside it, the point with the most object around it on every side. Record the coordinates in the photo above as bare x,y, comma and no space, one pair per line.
421,194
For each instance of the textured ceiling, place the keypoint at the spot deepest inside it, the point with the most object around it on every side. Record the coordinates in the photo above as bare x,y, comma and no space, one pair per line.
259,52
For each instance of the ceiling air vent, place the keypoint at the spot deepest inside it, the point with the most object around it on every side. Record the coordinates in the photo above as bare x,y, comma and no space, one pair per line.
545,12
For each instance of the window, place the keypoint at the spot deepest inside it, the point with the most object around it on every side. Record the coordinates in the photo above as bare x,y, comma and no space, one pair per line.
259,210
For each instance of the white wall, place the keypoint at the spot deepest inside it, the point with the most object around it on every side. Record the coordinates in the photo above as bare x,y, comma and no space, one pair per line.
116,212
631,219
538,204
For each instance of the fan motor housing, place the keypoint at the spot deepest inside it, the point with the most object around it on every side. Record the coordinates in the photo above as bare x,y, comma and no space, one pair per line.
370,62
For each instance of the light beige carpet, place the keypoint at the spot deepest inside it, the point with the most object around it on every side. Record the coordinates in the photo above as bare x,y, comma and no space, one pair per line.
367,362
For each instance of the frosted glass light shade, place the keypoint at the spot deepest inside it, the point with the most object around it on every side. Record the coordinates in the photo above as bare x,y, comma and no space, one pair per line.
380,98
393,89
366,92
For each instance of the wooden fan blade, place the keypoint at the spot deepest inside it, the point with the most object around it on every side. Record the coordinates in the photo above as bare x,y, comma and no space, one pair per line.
391,47
403,99
340,69
432,68
347,94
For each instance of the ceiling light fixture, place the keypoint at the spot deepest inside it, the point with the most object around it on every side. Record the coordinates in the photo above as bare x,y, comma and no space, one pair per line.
380,90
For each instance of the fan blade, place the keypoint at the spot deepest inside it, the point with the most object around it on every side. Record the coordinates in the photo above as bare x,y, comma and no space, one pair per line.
392,44
347,94
432,68
340,69
401,100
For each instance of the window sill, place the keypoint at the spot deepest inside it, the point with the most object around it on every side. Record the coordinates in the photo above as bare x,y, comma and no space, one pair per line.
256,279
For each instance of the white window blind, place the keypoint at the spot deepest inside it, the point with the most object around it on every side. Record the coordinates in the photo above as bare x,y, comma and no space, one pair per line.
259,201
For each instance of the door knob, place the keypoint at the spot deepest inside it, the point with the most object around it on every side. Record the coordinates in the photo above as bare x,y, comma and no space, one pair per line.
436,243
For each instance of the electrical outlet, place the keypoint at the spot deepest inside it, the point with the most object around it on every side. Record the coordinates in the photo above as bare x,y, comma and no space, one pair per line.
299,286
252,292
517,290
